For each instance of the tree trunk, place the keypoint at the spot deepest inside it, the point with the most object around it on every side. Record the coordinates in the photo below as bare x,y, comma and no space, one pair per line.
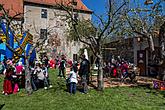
162,40
28,86
162,45
100,79
151,43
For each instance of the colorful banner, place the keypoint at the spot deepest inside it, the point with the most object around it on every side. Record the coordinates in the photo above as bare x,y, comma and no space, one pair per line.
28,39
3,37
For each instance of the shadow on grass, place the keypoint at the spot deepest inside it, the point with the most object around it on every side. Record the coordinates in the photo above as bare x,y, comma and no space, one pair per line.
92,85
1,106
162,93
59,85
153,91
144,85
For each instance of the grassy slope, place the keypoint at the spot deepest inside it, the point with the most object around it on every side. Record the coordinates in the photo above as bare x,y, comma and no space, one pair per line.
56,98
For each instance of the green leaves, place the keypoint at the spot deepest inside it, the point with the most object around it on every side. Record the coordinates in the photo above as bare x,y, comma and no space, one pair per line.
85,29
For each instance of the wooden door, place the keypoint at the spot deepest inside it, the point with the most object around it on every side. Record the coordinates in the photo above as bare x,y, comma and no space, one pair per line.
141,61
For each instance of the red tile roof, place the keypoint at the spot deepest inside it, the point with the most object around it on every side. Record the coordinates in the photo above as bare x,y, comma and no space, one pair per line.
79,6
16,6
12,6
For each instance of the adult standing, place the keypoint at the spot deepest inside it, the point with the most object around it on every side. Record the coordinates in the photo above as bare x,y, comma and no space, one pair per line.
56,61
84,73
46,61
62,66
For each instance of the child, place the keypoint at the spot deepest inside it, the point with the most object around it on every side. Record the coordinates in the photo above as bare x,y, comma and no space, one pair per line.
72,81
46,80
7,85
18,69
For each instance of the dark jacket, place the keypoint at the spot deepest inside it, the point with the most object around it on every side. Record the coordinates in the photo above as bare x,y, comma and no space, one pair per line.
84,67
62,64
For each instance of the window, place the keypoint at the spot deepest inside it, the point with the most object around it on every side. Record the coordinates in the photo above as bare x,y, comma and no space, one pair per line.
43,33
76,16
43,13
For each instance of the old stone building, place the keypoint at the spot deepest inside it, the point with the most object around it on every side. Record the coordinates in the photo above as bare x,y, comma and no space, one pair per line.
135,50
43,18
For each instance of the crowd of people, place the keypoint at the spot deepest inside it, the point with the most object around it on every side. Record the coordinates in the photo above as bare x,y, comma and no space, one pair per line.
82,72
14,74
118,68
111,69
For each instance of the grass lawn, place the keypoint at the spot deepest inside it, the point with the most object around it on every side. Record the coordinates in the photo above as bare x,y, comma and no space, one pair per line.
56,98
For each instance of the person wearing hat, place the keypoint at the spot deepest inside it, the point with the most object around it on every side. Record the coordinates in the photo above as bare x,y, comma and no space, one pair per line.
84,73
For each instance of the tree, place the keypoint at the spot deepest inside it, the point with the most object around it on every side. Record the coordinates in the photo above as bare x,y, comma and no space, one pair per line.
145,21
93,35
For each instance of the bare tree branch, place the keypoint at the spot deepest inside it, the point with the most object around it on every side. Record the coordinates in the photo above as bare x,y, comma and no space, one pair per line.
134,30
101,19
110,18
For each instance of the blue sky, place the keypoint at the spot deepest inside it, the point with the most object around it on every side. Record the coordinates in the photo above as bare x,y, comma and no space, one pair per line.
98,6
95,5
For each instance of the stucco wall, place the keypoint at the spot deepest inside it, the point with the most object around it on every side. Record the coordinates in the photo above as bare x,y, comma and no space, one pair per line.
55,23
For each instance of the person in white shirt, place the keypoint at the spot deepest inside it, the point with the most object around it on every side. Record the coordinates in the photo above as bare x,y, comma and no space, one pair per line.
73,81
40,75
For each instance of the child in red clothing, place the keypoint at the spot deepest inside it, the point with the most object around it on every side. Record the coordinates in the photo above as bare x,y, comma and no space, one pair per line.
7,85
19,68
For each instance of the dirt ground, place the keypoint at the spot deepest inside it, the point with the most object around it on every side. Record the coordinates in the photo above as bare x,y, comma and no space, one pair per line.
113,82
